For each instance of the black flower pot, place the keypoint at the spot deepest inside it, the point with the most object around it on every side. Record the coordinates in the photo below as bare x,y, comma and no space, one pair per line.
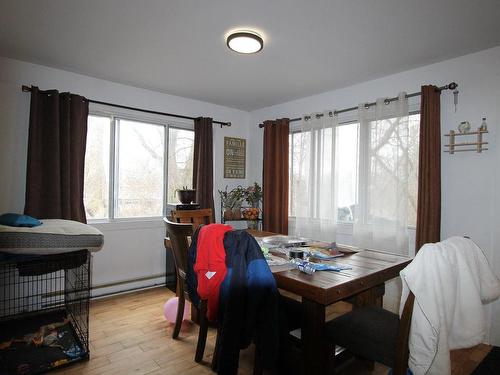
186,196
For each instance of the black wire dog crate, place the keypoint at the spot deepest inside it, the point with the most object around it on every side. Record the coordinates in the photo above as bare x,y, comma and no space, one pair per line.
44,311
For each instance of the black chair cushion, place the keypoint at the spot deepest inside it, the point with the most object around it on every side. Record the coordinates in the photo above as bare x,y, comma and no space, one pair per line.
368,332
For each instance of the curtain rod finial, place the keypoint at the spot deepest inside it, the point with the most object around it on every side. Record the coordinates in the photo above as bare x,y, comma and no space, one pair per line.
452,85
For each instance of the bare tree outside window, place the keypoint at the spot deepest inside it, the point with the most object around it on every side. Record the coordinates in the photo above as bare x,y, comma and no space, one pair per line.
139,169
386,143
298,166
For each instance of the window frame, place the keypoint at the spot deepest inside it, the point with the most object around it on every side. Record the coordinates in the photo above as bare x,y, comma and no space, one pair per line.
348,120
130,115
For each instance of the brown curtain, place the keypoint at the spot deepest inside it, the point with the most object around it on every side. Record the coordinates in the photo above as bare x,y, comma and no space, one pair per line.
203,170
275,176
56,155
429,168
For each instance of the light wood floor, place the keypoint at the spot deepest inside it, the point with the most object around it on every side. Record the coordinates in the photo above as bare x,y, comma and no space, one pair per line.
128,335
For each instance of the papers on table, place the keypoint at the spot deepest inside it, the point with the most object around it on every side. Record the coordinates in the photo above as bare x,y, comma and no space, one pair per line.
284,241
276,249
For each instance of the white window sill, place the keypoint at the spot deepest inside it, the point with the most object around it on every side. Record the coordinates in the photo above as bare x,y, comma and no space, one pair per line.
128,223
345,227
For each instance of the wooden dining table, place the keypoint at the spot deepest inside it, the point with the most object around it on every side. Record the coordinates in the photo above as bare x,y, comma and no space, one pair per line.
362,284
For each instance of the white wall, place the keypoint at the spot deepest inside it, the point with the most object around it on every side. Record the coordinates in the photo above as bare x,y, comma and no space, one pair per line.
131,250
470,181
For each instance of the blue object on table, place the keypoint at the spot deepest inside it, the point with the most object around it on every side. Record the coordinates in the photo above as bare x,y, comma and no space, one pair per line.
18,220
311,267
322,256
328,267
302,265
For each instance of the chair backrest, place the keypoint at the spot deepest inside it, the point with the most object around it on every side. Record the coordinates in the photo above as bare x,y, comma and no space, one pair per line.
195,217
178,234
402,349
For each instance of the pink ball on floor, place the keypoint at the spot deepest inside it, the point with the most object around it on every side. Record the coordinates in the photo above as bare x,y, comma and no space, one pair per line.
170,310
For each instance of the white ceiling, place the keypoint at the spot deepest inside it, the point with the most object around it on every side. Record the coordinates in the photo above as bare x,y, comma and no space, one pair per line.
178,47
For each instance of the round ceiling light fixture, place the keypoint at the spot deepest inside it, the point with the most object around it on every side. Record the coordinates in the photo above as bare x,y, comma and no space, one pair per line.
245,42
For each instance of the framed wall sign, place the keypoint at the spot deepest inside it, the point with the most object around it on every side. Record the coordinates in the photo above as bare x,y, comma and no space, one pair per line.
234,157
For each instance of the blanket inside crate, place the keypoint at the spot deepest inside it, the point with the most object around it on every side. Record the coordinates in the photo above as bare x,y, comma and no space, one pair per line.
38,343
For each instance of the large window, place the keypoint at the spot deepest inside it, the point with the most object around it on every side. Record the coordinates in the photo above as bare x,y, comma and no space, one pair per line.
133,167
346,179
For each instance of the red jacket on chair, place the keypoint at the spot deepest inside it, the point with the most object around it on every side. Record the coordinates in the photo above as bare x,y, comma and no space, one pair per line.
210,266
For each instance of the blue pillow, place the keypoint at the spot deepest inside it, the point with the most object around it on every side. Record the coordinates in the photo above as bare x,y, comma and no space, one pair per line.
17,220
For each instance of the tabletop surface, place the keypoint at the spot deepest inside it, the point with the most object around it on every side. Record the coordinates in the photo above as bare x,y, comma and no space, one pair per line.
369,268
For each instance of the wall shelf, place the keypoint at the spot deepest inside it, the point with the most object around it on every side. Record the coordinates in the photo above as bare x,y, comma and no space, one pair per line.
453,147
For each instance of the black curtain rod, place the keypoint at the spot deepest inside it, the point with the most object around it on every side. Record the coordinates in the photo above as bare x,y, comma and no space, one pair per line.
449,86
221,123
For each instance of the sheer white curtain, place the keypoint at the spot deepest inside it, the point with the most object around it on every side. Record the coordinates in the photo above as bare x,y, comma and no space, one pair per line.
381,215
313,184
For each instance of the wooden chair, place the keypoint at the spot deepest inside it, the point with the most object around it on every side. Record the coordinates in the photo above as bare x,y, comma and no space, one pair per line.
178,235
195,217
375,334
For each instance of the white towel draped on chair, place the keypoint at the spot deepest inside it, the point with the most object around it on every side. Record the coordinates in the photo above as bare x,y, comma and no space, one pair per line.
451,281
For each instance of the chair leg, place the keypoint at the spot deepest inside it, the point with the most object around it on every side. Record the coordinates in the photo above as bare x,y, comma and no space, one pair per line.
215,357
202,334
331,362
258,366
179,317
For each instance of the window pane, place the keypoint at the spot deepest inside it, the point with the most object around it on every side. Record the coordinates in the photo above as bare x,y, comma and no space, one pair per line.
394,146
413,147
299,160
96,183
290,175
346,170
140,150
180,161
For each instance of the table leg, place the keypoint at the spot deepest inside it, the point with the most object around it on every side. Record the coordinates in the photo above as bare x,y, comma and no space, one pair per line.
317,354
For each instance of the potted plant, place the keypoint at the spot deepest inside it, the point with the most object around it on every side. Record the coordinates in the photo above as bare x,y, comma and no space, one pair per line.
227,204
231,202
238,195
253,195
185,195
